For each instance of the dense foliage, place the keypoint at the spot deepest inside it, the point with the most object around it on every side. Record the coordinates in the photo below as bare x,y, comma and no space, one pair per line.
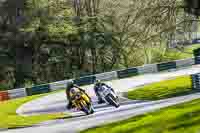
48,40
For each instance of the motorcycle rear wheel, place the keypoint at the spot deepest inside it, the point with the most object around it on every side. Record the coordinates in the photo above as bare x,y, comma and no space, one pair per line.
112,101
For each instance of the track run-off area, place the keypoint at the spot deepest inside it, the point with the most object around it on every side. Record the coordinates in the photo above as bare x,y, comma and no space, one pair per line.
103,113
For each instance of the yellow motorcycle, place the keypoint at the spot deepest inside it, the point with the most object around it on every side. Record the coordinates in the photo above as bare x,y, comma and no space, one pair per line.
82,102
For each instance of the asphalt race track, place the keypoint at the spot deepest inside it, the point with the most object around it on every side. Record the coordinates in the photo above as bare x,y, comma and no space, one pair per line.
103,113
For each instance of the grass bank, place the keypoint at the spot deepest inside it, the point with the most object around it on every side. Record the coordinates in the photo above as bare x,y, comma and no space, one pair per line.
186,52
183,118
9,118
164,89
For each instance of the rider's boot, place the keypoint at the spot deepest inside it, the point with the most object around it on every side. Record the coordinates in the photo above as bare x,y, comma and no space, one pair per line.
70,106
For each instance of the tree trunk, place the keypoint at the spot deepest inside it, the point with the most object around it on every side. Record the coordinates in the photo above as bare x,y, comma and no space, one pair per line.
23,65
94,60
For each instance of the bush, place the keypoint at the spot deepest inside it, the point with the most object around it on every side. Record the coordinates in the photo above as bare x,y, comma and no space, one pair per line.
3,86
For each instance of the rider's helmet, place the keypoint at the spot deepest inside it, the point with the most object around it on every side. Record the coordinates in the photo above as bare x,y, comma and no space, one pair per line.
73,90
70,84
97,82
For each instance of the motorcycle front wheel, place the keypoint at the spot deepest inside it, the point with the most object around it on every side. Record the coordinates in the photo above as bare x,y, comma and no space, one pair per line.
85,109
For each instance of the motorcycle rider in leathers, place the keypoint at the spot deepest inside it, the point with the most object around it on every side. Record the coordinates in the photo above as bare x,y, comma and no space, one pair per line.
97,85
70,86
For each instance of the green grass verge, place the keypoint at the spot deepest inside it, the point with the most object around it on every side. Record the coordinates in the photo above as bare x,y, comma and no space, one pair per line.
164,89
9,118
175,54
183,118
188,51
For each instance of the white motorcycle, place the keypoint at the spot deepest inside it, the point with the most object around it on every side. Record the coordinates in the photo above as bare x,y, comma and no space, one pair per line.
108,96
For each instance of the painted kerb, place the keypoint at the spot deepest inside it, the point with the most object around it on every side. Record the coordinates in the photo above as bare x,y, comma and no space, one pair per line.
185,63
166,66
17,93
107,76
151,68
59,85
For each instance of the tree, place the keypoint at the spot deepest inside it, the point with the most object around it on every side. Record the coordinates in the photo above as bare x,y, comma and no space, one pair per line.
28,28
